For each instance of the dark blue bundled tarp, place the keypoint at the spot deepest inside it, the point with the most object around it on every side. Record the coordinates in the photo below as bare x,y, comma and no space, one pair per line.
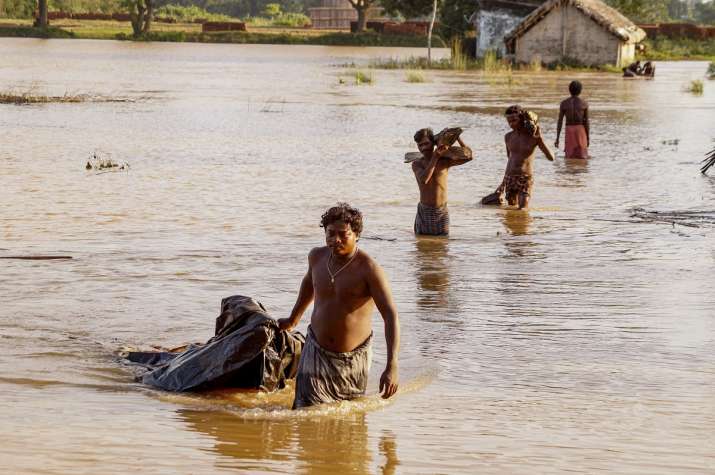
248,351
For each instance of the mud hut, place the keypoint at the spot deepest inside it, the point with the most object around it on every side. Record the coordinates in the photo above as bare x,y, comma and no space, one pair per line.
583,31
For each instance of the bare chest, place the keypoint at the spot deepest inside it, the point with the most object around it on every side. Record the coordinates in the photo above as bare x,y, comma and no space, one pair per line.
521,146
339,282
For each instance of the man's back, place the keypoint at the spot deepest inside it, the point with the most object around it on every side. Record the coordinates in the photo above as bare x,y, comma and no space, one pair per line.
574,110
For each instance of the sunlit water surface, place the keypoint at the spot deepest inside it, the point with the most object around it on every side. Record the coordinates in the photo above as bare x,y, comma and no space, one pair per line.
569,338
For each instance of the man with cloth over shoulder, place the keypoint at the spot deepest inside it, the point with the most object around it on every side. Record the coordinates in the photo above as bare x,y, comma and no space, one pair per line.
431,172
345,285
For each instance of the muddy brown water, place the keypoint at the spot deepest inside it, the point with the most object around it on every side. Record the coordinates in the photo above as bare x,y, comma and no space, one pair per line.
573,337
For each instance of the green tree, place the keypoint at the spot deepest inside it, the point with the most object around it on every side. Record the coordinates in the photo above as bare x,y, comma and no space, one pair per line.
407,8
361,6
272,10
678,10
41,19
454,18
705,12
141,13
642,11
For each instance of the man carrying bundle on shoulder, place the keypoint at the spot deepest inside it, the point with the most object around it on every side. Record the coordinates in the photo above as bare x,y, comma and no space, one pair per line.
436,156
521,145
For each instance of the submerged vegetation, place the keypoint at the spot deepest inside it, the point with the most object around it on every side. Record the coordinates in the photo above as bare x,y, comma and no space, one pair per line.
31,96
415,77
490,64
695,87
362,77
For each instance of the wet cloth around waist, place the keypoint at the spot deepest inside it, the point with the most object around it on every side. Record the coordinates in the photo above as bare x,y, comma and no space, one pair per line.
576,143
512,185
432,221
326,376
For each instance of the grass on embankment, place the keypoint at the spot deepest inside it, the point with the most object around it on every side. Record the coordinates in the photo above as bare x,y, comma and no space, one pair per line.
488,64
666,49
191,32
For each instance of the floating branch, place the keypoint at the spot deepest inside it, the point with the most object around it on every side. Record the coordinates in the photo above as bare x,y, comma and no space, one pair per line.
36,258
104,164
708,162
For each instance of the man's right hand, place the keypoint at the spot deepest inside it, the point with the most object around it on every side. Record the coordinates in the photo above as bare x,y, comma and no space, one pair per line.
285,324
389,382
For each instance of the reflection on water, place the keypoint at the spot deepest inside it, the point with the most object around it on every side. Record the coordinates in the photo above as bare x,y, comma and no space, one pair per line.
517,222
318,445
432,273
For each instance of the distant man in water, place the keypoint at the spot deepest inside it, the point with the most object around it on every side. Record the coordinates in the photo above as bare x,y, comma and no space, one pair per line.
431,172
345,284
575,110
521,145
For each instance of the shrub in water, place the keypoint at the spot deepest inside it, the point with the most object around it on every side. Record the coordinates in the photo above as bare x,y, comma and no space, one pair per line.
362,77
414,77
695,87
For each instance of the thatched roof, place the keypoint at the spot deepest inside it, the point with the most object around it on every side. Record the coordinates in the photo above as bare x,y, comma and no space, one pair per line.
609,18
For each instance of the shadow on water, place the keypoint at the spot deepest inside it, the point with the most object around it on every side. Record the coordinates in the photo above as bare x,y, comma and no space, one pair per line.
311,444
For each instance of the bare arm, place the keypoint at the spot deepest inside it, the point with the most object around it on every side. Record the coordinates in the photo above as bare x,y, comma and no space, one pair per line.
558,126
305,297
508,154
467,157
380,292
585,126
424,175
544,148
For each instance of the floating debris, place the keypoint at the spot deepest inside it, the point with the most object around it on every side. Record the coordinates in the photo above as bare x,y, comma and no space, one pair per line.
708,162
693,219
670,142
36,258
104,164
30,97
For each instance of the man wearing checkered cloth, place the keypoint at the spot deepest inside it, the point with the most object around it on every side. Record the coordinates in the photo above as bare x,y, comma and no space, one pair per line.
431,172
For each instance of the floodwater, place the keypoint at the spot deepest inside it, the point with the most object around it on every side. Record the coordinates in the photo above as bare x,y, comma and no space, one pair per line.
572,337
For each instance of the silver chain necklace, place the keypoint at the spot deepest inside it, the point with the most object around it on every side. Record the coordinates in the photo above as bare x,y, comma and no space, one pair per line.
327,264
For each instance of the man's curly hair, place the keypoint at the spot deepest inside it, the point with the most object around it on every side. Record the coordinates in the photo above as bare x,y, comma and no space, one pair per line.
426,132
345,213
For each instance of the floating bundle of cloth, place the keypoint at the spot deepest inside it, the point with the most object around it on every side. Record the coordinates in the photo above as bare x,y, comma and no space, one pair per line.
247,351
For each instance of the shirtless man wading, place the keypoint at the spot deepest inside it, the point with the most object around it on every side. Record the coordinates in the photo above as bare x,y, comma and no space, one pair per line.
431,172
575,111
520,150
346,284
